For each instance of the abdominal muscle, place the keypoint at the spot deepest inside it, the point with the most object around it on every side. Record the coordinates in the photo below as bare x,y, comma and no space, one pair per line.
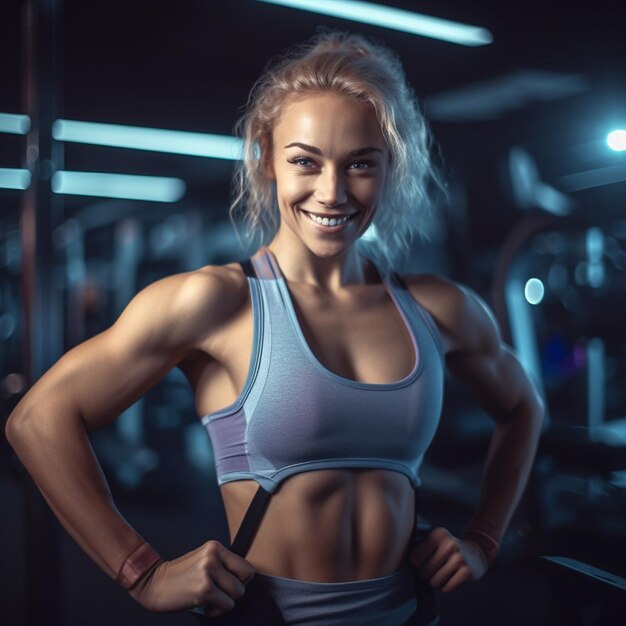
329,525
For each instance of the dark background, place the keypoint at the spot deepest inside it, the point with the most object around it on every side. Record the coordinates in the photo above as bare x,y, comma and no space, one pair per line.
189,66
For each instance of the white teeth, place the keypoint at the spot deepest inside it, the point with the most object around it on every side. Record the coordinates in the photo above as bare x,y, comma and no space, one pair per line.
325,221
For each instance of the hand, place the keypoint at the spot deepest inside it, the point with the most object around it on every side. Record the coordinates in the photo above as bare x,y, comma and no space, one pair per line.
446,561
211,575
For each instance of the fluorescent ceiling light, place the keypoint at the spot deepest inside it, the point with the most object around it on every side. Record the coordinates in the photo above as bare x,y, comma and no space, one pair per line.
14,179
396,19
14,124
152,188
155,139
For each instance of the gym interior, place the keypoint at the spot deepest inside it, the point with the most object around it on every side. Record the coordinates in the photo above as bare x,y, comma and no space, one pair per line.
116,158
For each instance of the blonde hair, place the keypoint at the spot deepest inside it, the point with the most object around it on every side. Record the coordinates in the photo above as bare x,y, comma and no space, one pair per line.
347,64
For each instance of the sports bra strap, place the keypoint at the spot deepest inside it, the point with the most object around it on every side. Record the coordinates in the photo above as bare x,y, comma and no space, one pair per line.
399,280
250,523
248,268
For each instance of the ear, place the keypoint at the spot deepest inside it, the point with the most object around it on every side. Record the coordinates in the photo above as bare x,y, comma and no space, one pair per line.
267,159
268,167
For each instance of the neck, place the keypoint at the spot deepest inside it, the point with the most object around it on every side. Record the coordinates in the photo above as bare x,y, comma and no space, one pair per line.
332,273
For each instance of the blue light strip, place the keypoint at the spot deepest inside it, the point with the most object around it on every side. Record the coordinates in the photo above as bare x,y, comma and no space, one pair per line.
593,178
523,332
595,387
14,124
151,188
14,178
396,19
155,139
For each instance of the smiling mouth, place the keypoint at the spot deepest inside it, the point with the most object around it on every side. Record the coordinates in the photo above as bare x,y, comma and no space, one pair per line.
329,220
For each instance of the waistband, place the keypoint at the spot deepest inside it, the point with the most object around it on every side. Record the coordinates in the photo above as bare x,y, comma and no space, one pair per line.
278,601
394,580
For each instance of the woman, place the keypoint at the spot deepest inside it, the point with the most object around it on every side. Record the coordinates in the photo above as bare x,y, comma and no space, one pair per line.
318,371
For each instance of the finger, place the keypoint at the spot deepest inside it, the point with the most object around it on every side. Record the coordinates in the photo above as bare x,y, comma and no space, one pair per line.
425,549
462,575
228,583
447,571
437,560
217,602
237,565
219,580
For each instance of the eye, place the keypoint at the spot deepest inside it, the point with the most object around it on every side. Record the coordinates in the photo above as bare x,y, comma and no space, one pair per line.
361,165
301,161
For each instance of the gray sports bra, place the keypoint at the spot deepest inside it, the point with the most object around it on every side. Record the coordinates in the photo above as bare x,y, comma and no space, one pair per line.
294,415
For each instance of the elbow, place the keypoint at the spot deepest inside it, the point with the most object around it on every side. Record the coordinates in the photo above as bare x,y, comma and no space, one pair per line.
26,425
17,426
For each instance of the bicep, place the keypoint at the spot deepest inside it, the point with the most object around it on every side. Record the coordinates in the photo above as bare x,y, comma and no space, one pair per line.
483,362
496,378
103,376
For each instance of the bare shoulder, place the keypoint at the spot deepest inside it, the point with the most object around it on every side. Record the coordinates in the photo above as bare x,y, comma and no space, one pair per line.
465,321
182,308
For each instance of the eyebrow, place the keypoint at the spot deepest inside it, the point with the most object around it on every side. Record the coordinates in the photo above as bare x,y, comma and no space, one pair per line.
314,150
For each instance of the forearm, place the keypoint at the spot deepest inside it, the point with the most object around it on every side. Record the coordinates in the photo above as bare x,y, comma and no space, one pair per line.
58,455
507,467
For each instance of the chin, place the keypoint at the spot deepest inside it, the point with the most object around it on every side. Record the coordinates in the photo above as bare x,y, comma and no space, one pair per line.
329,249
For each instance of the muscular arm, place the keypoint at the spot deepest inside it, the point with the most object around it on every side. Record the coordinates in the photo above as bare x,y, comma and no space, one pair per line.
476,355
90,385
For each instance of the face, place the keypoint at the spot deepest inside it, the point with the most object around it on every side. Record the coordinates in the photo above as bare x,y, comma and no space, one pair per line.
329,164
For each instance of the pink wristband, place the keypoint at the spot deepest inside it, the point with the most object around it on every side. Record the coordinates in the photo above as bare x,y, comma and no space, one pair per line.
137,564
481,533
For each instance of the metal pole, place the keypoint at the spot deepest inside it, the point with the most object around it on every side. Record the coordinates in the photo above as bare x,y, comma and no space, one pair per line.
42,323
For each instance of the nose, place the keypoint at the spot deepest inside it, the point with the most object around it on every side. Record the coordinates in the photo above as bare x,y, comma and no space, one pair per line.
330,190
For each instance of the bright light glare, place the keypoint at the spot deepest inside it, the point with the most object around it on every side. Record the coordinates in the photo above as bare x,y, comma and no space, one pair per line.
534,291
14,179
152,188
14,124
155,139
617,140
396,19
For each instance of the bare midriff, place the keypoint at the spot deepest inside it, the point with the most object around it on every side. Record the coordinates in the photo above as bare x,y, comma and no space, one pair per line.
329,525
